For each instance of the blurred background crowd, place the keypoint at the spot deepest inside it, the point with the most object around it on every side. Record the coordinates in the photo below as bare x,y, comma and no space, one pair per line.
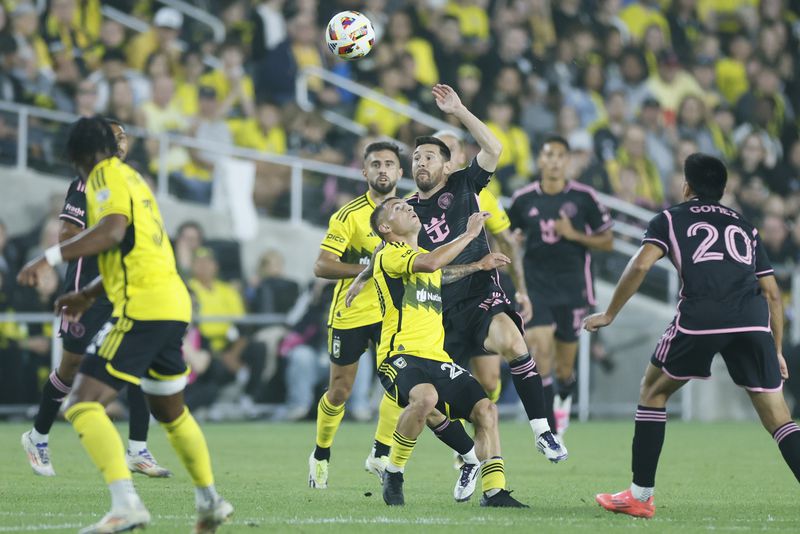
633,86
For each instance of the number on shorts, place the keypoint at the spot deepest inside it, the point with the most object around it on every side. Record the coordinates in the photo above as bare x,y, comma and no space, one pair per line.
99,337
702,254
454,369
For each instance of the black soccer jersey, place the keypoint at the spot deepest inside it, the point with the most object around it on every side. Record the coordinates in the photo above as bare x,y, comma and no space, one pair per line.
83,270
557,269
719,257
444,217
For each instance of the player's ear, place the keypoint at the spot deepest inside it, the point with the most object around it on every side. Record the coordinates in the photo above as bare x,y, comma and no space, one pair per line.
448,167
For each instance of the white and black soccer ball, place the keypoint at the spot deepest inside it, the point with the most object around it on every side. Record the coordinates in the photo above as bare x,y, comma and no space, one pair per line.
350,35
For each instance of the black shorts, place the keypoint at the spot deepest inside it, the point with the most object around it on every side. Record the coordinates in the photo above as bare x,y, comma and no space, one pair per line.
75,337
466,324
751,357
566,318
345,346
126,350
457,388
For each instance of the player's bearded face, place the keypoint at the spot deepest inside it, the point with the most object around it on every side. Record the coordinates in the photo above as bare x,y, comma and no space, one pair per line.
382,170
427,167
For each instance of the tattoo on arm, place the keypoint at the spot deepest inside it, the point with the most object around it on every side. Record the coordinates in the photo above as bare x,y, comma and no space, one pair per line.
453,273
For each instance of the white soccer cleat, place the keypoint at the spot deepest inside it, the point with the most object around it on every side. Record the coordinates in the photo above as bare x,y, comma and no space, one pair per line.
552,448
561,412
317,473
143,462
38,456
376,466
120,521
209,519
467,479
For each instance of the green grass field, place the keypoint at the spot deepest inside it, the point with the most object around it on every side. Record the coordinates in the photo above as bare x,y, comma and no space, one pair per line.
726,477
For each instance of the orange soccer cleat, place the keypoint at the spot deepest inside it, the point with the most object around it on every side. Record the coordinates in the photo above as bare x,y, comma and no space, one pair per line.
625,503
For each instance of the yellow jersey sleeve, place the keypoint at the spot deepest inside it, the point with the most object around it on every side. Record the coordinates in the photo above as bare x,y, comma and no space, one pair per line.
337,237
397,259
499,220
109,193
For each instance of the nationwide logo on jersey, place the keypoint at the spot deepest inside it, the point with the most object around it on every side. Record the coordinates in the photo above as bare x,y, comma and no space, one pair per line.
356,255
445,201
437,230
423,295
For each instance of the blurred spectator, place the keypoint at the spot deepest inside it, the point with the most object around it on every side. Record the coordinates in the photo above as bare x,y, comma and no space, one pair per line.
188,239
186,91
691,123
685,28
161,114
265,132
583,166
608,132
234,87
671,84
377,118
632,154
25,29
632,81
731,70
113,69
163,36
400,38
85,99
272,292
660,139
448,51
721,127
269,27
9,255
753,160
514,165
587,97
70,31
780,248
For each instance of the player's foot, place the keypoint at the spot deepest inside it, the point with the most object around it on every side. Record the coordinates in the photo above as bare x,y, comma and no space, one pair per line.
38,456
393,489
502,499
625,503
120,521
465,485
552,448
209,519
143,462
376,466
458,461
561,412
317,473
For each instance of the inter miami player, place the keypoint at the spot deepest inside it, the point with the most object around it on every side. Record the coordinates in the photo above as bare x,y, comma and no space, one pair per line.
75,338
562,221
729,303
477,313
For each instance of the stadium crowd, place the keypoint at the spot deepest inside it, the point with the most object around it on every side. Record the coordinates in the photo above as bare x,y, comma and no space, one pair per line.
633,86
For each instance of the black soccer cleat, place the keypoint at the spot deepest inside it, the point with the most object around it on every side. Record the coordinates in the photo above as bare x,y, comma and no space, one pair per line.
393,489
502,499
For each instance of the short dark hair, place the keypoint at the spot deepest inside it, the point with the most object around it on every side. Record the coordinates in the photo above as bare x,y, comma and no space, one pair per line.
190,224
557,139
114,122
375,217
382,145
89,136
430,140
706,175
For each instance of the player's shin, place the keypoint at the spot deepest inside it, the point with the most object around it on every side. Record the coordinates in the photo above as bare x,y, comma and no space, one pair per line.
329,417
787,436
648,439
187,439
528,384
388,414
453,434
53,393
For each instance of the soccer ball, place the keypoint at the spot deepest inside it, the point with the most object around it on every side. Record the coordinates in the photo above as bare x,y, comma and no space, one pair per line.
350,35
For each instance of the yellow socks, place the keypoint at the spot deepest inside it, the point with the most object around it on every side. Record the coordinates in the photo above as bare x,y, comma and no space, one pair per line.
187,439
493,474
401,451
388,414
494,395
329,417
100,439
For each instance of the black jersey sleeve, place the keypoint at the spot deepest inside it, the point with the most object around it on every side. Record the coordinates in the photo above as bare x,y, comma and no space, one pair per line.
763,265
476,175
74,210
597,215
514,214
657,233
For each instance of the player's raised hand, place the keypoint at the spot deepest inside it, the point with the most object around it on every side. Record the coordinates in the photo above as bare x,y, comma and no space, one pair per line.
72,305
525,306
493,260
475,223
29,275
596,321
446,98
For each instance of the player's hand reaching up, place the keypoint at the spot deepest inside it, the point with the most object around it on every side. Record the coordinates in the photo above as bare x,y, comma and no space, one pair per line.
475,223
446,98
72,305
596,321
493,260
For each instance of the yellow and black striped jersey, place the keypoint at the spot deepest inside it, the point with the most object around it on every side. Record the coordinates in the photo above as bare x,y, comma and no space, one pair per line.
499,220
350,237
411,305
139,275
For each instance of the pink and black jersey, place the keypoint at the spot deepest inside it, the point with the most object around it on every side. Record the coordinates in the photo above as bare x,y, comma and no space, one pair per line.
444,217
83,270
558,270
719,257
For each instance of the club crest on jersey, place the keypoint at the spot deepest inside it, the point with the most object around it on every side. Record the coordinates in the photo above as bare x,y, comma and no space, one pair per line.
437,230
102,195
400,363
534,211
445,201
77,330
569,209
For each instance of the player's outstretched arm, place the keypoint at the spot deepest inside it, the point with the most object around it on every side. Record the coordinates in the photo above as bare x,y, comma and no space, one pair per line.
771,291
491,147
107,233
330,267
433,261
493,260
509,246
640,264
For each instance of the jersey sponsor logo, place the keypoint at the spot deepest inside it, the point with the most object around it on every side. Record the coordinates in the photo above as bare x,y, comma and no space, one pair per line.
334,237
548,230
400,363
423,296
437,230
569,209
77,330
74,210
445,201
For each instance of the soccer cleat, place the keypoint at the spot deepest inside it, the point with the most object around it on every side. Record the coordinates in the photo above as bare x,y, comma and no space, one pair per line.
393,489
502,499
144,463
209,519
317,473
561,412
625,503
465,485
119,521
376,466
38,456
552,448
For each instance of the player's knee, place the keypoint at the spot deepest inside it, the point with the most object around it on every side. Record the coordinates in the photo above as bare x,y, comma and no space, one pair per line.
68,367
423,399
339,393
484,414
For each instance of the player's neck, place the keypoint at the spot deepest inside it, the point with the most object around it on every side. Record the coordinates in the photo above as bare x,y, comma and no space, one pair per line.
378,198
553,186
424,195
411,240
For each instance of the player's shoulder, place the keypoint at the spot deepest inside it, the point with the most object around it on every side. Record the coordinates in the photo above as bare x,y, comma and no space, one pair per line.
579,189
358,204
530,190
78,185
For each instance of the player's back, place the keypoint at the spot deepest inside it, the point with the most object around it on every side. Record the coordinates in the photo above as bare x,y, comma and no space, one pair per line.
719,257
139,275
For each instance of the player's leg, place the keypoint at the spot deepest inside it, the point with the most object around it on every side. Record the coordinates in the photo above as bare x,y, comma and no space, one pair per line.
138,456
58,386
777,420
451,433
504,337
541,342
486,370
568,326
388,413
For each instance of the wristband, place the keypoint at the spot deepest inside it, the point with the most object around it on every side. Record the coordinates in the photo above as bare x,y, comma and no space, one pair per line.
53,256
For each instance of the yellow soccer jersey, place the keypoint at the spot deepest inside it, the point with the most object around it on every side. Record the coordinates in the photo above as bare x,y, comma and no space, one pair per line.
350,237
411,305
139,274
499,220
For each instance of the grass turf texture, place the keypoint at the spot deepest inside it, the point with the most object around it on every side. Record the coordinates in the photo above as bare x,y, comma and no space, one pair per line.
726,477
